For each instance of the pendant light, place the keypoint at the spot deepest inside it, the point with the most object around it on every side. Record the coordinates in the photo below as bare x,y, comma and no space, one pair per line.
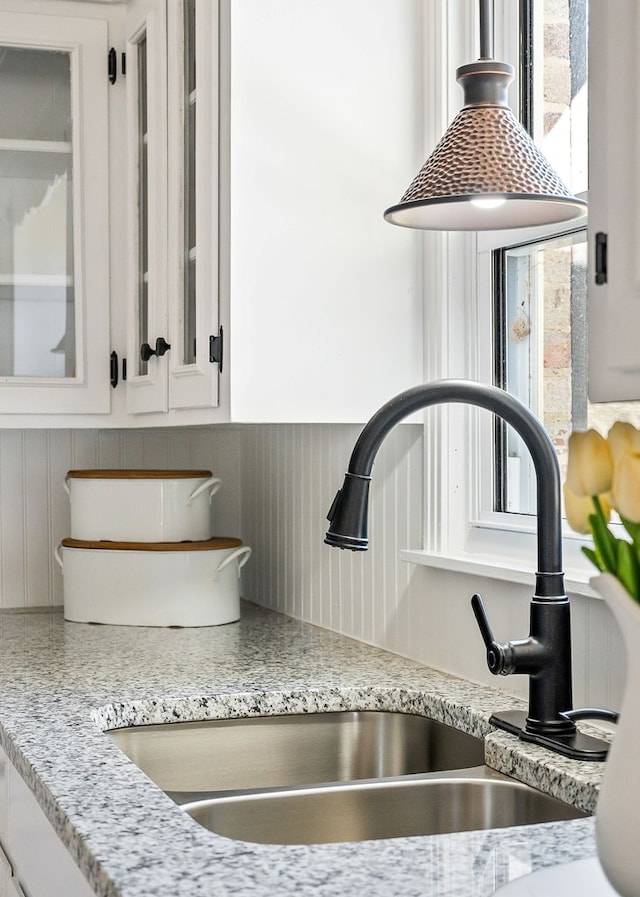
486,173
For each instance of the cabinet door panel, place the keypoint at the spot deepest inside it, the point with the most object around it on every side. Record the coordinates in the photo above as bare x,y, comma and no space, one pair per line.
147,263
325,296
614,203
193,201
54,246
30,835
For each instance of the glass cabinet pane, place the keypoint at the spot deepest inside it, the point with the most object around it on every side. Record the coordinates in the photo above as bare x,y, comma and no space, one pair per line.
189,334
143,202
37,311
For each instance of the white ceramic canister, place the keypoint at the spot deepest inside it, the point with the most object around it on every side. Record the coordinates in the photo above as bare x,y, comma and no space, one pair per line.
141,505
152,584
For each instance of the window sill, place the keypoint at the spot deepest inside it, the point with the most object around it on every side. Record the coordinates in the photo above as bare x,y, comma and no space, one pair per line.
502,568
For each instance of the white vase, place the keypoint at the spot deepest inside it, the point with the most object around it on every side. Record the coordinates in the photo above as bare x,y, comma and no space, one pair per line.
618,809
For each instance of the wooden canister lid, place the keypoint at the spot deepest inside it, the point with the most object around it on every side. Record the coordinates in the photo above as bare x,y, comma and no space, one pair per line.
217,543
138,474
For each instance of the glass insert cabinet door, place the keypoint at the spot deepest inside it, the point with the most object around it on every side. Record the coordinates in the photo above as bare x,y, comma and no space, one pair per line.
146,50
53,254
172,86
193,201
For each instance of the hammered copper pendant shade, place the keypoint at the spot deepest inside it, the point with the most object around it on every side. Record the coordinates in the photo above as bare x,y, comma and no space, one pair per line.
486,173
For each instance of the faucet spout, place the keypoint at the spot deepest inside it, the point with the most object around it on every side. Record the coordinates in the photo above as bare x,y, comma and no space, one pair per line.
546,654
348,528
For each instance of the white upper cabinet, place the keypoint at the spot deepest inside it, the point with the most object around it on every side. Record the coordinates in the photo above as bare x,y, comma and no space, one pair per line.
265,140
54,225
325,117
614,203
231,183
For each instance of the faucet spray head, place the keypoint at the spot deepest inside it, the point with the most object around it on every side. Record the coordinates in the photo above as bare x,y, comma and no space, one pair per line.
349,513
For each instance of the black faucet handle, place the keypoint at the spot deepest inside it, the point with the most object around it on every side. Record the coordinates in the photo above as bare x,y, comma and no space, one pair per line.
477,605
497,660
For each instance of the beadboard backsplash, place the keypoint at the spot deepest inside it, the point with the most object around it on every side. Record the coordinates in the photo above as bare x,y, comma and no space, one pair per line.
278,483
290,476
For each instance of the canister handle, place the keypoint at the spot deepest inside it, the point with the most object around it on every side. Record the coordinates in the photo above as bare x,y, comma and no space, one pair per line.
211,483
58,556
244,553
65,483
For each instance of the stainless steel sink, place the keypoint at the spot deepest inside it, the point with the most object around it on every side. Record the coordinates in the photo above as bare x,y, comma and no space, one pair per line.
189,759
328,777
382,809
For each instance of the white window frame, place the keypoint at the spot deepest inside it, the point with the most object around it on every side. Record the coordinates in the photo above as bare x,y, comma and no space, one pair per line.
462,532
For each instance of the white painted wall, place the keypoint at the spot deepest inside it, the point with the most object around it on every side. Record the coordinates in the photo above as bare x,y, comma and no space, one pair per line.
278,483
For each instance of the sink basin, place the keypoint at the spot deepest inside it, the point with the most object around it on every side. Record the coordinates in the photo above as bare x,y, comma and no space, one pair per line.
187,759
387,809
328,777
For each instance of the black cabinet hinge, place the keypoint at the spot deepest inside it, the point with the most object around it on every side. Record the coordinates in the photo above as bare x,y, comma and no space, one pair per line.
112,65
113,369
601,258
216,349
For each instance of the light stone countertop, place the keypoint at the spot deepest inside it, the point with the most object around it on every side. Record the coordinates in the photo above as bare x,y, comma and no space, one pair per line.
62,683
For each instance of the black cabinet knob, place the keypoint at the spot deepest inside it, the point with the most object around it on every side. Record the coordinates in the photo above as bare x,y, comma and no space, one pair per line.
162,346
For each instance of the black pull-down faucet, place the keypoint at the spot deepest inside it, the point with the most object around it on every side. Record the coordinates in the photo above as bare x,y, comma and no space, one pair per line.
545,656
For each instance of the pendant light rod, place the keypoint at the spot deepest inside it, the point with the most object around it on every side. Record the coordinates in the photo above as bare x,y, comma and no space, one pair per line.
486,29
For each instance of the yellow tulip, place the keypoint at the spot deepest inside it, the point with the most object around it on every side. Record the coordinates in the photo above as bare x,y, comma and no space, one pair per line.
590,464
626,486
579,507
623,437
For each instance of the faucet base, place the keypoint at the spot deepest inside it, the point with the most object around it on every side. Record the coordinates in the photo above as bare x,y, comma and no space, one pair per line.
577,746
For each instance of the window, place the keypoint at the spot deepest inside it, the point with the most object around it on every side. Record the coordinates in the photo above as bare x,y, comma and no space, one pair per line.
540,287
540,291
514,314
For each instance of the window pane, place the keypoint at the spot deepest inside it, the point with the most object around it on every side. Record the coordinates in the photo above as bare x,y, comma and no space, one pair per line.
543,306
542,302
559,119
37,313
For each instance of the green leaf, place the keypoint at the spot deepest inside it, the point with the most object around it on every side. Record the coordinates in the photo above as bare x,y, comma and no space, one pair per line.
629,569
593,557
605,543
632,528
